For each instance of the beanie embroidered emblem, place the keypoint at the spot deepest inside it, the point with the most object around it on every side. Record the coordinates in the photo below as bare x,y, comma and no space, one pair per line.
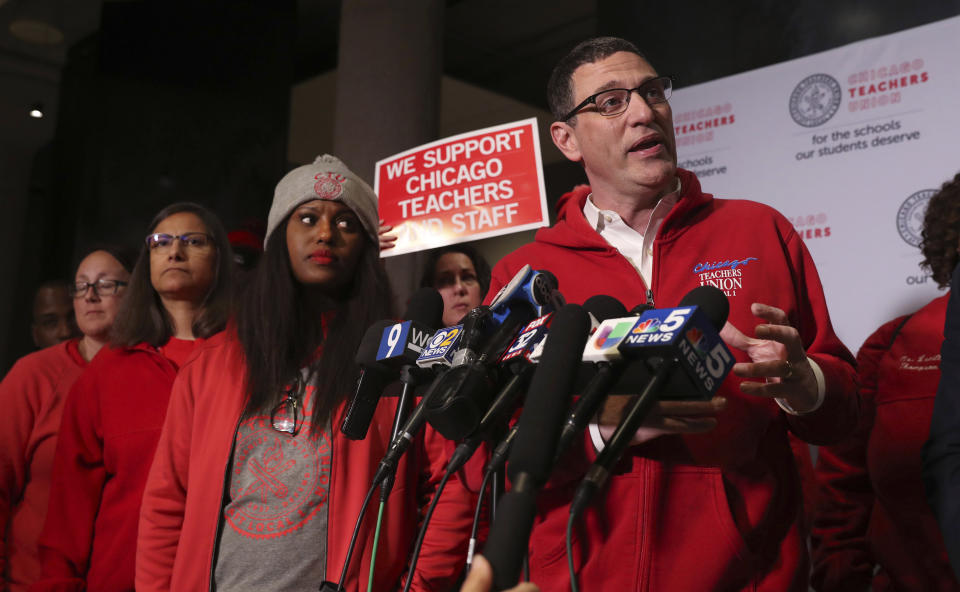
329,185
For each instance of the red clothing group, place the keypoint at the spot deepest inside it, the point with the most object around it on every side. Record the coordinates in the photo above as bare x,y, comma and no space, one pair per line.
31,403
111,424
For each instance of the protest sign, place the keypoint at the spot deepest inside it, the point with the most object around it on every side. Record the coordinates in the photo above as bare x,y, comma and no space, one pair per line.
475,185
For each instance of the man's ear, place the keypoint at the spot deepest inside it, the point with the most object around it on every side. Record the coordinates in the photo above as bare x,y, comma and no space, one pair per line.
565,139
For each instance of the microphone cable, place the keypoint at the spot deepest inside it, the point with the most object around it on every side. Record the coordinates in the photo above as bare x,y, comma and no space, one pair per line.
356,533
573,572
376,540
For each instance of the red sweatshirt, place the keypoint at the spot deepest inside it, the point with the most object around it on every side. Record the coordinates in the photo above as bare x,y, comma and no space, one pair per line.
183,502
715,511
31,397
872,509
111,423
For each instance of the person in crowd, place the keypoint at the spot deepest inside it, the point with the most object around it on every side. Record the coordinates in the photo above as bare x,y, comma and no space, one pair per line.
461,275
53,320
873,528
247,244
708,498
253,485
178,295
32,396
941,460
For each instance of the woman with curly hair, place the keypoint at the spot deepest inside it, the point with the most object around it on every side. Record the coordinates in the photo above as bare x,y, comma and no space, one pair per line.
873,528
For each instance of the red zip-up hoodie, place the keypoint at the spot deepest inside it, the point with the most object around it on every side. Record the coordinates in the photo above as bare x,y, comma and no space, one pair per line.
872,509
31,397
111,423
715,511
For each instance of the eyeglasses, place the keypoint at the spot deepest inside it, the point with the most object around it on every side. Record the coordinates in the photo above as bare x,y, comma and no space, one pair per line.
615,101
197,240
287,416
101,287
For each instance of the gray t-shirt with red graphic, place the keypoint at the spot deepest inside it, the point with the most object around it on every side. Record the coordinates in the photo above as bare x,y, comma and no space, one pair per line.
274,535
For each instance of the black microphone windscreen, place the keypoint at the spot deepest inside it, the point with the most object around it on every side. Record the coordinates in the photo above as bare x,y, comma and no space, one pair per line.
549,395
712,302
370,344
425,306
604,307
509,537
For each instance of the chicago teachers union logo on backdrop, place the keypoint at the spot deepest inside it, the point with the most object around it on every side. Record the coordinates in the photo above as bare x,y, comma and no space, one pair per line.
815,100
910,216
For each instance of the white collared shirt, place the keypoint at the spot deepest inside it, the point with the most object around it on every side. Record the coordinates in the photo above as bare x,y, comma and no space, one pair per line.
635,246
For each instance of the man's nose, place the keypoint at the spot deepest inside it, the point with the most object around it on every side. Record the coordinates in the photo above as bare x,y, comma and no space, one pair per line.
639,111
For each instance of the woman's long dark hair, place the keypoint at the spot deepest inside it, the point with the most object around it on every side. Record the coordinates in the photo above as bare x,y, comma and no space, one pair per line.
142,317
279,327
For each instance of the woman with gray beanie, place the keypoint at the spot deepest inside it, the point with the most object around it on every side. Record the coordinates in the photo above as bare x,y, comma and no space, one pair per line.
253,487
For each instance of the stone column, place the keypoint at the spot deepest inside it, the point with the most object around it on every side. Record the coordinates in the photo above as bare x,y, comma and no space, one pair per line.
388,94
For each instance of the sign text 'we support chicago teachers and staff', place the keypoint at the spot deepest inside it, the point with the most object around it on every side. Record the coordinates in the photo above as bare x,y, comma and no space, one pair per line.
475,185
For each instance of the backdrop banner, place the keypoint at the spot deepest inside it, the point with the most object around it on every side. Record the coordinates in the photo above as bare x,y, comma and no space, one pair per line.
849,145
474,185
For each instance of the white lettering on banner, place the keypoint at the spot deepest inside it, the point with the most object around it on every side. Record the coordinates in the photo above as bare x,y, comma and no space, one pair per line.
485,218
475,195
475,171
486,146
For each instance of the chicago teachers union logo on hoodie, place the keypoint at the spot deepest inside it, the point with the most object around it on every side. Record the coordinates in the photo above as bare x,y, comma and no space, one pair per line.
726,274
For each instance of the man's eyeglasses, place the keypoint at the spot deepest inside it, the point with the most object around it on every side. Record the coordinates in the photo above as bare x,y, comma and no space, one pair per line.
287,415
197,240
101,287
616,100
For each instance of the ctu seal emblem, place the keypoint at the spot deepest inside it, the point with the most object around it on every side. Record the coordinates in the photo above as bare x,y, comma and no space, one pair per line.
910,216
815,100
328,185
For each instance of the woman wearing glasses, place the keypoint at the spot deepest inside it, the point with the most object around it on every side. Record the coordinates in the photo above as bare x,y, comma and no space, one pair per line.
32,395
253,486
178,294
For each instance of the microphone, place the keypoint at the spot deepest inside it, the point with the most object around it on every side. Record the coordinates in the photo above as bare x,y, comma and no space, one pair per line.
403,343
387,349
609,369
530,294
374,378
532,454
470,386
517,363
690,356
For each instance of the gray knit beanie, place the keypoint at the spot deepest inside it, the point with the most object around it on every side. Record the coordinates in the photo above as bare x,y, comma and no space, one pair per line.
326,178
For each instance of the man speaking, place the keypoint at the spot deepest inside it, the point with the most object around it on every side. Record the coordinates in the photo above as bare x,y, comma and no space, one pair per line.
708,496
